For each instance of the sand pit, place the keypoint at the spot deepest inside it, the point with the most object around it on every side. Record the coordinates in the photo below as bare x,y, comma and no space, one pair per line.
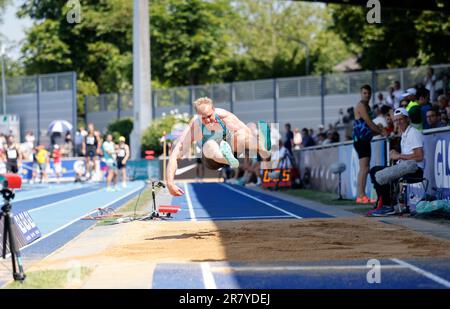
268,240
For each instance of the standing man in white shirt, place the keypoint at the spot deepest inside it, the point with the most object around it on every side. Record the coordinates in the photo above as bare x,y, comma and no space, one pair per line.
411,150
398,94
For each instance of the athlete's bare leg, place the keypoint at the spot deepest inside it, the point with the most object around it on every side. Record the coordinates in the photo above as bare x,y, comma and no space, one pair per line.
212,151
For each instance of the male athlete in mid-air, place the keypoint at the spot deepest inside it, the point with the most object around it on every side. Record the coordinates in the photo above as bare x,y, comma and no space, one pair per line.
221,136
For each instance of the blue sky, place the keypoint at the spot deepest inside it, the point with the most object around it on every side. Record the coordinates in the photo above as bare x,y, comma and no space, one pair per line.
13,28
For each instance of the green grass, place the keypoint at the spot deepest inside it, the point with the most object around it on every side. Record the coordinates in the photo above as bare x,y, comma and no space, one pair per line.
331,199
50,279
143,201
321,197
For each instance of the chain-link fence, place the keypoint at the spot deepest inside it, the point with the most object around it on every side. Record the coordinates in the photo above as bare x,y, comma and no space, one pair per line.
324,94
38,100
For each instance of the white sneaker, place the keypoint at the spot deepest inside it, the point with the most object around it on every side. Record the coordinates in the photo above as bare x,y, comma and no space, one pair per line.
124,185
227,153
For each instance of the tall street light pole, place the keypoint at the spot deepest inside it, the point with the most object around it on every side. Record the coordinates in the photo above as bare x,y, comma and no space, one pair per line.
2,54
142,107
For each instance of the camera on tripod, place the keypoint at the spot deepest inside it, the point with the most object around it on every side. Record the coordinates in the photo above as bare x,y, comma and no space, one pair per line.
10,181
8,239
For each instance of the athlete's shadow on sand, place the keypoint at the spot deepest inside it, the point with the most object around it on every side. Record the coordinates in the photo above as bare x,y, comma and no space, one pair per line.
199,235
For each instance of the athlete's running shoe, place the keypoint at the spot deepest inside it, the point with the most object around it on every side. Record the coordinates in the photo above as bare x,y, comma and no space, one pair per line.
364,200
384,211
227,153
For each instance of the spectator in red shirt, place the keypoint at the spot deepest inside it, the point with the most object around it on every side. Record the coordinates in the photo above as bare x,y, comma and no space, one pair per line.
56,155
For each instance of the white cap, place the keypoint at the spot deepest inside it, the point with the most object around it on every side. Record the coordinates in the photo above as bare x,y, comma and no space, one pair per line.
401,111
409,91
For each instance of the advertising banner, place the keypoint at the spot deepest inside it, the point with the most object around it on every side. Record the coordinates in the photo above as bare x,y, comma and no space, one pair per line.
437,168
316,173
136,170
25,230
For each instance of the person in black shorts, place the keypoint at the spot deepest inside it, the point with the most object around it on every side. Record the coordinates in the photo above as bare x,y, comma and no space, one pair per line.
13,156
363,131
90,149
123,154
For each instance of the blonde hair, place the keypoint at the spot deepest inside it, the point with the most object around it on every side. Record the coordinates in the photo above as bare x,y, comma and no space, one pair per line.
202,101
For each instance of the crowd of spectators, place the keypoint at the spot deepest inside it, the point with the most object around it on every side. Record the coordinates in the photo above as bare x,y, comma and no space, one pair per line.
89,144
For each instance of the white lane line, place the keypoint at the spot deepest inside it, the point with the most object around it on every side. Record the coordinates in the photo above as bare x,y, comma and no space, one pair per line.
261,201
45,192
63,201
423,273
243,218
208,278
298,268
185,169
189,201
79,218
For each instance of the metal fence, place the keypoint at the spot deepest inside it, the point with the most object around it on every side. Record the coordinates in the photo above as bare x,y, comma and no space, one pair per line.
38,100
322,95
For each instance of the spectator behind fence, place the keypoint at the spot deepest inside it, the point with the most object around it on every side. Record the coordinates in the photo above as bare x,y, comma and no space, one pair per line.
379,120
387,113
443,103
423,97
297,139
433,118
289,140
404,103
363,130
321,131
411,150
307,140
380,100
67,148
390,97
311,133
332,137
429,81
413,108
79,142
329,138
30,139
321,138
340,119
445,118
398,92
348,123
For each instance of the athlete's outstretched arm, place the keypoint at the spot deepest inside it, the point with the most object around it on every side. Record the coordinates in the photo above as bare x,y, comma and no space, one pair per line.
182,146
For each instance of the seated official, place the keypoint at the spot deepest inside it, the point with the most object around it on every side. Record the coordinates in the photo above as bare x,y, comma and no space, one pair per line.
411,150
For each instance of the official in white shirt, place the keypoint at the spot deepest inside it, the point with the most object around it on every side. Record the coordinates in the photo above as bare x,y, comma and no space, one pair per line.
411,150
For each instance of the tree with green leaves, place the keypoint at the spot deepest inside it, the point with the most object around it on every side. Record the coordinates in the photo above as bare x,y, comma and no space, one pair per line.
189,40
98,48
403,38
269,39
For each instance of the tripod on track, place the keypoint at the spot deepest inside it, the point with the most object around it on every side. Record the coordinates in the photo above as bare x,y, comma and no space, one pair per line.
9,237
